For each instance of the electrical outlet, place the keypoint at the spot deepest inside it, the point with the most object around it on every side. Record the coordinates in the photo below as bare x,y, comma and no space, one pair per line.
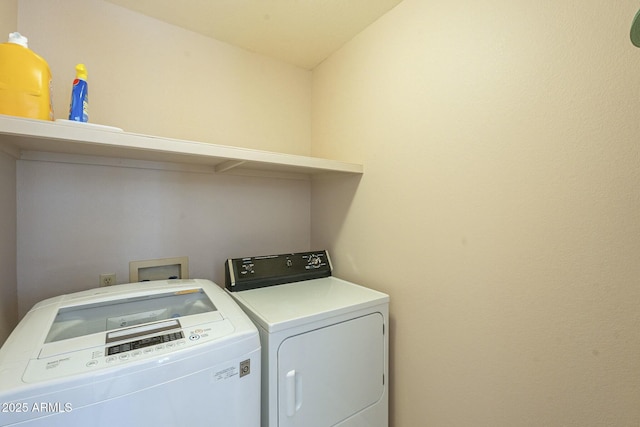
108,279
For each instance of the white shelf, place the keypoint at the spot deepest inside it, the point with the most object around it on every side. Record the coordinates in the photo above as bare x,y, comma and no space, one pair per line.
27,138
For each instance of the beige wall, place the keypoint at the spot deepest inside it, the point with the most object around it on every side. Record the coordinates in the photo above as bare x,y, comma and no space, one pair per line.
8,280
499,206
8,18
8,291
149,77
76,221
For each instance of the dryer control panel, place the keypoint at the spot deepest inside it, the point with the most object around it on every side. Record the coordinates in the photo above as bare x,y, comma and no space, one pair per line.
242,274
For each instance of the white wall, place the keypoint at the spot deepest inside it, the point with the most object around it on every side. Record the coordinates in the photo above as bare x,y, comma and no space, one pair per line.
499,206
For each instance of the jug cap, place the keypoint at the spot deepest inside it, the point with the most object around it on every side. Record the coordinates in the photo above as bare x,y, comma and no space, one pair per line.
17,38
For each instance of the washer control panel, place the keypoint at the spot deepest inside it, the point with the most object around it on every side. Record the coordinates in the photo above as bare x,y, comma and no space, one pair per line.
257,272
144,342
121,350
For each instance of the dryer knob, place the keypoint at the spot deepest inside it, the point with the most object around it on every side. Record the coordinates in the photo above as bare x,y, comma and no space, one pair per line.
315,261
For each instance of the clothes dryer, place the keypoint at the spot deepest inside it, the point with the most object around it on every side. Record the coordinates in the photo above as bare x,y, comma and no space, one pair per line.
324,341
163,353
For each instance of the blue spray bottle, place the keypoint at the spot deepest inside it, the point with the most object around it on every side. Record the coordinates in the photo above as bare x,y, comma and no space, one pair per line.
79,109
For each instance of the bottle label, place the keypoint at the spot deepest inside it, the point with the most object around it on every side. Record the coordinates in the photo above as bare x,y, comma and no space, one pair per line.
79,108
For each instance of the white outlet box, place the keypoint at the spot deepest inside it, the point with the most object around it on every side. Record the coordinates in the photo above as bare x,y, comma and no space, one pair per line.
107,279
159,269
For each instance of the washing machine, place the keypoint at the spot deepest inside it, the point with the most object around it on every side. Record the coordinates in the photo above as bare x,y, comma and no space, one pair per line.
161,353
324,341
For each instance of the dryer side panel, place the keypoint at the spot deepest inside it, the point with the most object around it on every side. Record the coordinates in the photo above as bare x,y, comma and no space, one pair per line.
329,374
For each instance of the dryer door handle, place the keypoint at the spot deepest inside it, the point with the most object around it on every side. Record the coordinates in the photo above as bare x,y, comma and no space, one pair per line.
294,392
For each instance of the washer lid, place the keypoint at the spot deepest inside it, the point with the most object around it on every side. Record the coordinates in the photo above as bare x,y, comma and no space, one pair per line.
285,306
106,315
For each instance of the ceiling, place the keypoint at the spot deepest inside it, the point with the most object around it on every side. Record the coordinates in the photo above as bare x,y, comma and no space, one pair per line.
300,32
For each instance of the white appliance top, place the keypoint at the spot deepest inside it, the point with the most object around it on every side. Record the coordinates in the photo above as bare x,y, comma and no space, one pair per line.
86,332
276,308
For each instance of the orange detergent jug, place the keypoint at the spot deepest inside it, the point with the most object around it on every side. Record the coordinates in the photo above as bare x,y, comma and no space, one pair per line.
25,81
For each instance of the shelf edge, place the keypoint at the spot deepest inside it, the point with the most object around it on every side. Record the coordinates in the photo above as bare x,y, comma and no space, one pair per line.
38,135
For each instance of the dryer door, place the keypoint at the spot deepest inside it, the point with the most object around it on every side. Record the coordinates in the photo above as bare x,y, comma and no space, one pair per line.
329,374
